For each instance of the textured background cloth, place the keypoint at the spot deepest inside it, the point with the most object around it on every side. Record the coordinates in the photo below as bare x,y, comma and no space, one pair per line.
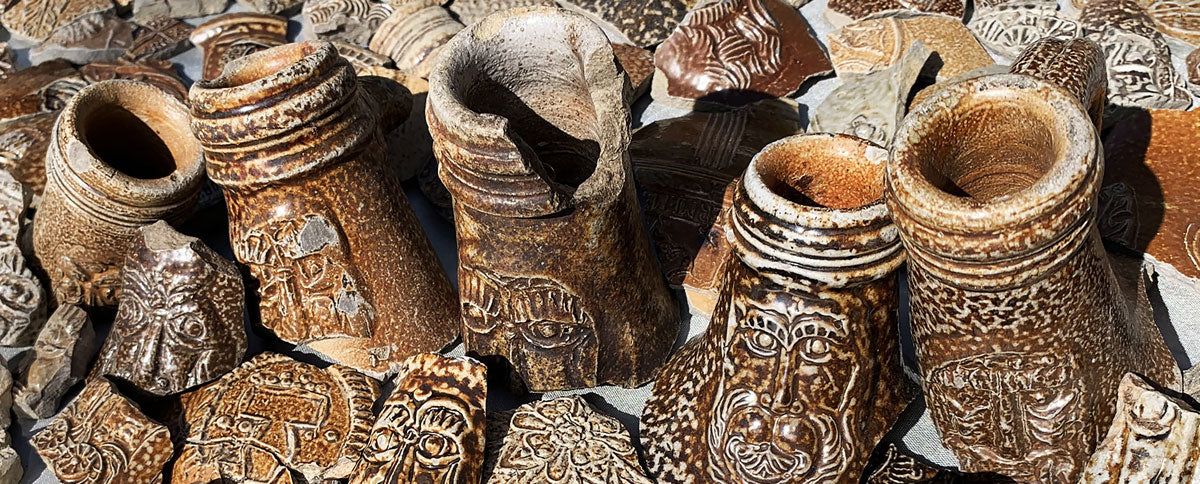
914,429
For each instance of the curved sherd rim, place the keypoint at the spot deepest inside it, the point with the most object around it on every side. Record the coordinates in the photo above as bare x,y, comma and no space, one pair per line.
812,205
489,165
1073,162
262,74
160,112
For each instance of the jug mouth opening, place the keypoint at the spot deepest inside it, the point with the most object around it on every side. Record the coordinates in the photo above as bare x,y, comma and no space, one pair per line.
255,67
831,172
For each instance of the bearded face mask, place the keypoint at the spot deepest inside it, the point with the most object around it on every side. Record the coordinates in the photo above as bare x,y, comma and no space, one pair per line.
798,375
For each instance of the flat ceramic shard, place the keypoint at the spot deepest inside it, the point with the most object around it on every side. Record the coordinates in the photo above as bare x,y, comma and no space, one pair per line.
352,21
147,10
274,416
236,35
103,437
1193,67
1034,331
159,73
870,106
879,42
566,441
1177,18
548,236
325,266
735,52
471,11
683,165
1153,438
842,12
160,38
900,468
414,34
60,359
361,57
1138,59
643,23
431,429
8,59
93,37
23,143
1008,27
179,321
14,204
811,289
35,20
22,302
42,88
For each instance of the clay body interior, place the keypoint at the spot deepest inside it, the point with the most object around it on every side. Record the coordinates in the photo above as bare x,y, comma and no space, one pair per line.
823,173
135,137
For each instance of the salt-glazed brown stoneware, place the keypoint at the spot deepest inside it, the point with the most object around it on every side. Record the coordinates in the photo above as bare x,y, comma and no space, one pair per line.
414,35
274,416
338,258
60,358
735,52
235,35
842,12
22,301
798,376
431,429
1076,65
122,156
531,128
179,323
103,437
566,441
1153,438
1021,329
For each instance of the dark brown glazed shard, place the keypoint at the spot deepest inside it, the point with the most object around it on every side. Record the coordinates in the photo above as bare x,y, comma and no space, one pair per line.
735,52
1148,203
498,424
1076,65
1140,73
682,166
159,39
842,12
337,256
1153,438
103,437
431,429
23,143
60,359
35,20
179,323
643,23
1014,303
236,35
93,37
812,290
159,73
122,157
413,36
566,441
351,21
42,88
549,229
276,420
638,64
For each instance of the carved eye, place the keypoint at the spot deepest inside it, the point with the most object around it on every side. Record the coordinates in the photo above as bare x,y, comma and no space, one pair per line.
191,329
437,450
553,334
817,349
762,343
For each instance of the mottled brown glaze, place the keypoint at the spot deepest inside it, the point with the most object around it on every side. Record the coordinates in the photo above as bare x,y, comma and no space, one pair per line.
735,52
121,157
273,417
1076,65
638,64
22,301
1193,67
160,38
549,230
566,441
103,437
35,20
23,143
879,42
1021,329
643,23
43,88
1177,18
352,21
414,36
1153,438
842,12
1140,72
93,37
179,322
59,360
236,35
337,256
431,429
159,73
798,376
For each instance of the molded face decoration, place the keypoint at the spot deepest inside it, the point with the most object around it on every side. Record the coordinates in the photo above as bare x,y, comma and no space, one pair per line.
431,429
179,322
535,322
781,412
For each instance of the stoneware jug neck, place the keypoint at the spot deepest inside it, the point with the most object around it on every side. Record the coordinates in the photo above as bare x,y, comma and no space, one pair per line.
536,140
993,181
812,206
279,113
122,152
